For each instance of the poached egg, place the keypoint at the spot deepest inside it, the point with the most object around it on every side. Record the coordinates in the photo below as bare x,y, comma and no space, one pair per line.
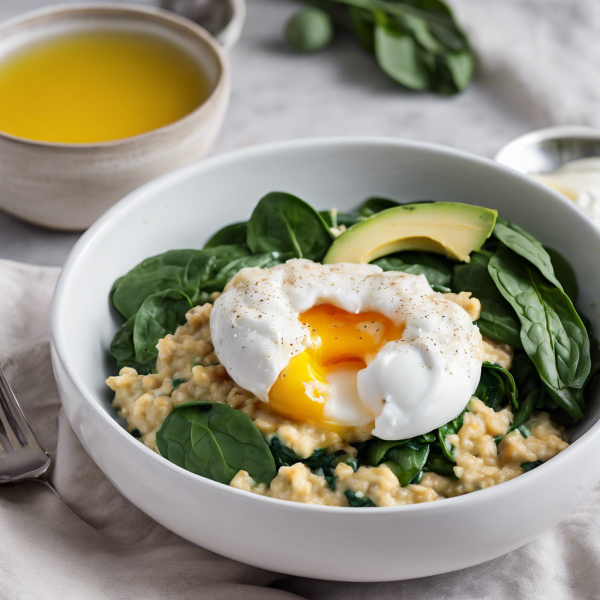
345,345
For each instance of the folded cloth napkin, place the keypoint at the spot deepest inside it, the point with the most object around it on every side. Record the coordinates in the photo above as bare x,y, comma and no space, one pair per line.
93,544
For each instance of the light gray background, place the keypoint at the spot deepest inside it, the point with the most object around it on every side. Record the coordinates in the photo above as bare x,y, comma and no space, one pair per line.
538,66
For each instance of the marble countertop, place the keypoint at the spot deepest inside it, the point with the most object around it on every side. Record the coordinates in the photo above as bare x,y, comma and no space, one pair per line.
526,79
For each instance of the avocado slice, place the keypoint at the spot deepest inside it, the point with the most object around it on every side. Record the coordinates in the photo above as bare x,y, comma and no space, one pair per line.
449,228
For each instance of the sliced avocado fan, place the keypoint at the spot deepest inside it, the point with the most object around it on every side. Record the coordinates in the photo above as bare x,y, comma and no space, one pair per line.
449,228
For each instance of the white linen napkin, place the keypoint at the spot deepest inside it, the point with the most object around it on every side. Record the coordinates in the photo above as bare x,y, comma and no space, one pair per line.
92,544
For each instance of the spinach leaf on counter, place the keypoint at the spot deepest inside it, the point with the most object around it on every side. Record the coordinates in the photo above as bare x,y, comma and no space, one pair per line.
496,386
498,320
437,269
416,42
524,244
358,499
215,441
284,223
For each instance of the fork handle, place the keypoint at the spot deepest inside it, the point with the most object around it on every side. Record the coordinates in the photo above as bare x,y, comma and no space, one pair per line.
18,438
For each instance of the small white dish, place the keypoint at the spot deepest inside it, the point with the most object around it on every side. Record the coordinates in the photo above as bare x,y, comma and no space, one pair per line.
183,209
545,150
68,186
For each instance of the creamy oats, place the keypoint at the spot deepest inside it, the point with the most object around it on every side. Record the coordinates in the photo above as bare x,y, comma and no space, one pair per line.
188,355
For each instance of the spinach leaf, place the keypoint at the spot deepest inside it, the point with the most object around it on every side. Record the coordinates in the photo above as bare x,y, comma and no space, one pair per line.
177,269
495,386
451,428
177,382
358,499
376,450
406,462
437,269
525,245
333,218
376,204
526,408
498,320
231,234
159,315
440,464
286,457
564,273
528,466
284,223
215,441
347,459
123,350
399,55
416,42
552,333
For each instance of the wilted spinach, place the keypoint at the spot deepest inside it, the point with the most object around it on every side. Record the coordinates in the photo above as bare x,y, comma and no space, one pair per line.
286,457
407,461
358,499
215,441
496,386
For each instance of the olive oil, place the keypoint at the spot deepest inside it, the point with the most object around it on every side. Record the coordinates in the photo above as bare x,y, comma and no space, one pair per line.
97,86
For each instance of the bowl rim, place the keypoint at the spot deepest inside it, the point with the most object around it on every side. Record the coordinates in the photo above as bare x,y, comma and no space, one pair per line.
543,135
159,16
137,198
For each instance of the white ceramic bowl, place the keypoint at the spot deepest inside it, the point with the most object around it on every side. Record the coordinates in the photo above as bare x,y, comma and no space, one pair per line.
181,210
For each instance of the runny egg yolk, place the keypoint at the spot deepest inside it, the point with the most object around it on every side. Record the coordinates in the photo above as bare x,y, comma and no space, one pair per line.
343,345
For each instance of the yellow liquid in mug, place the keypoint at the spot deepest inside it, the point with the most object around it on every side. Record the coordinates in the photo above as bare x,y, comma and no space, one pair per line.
97,86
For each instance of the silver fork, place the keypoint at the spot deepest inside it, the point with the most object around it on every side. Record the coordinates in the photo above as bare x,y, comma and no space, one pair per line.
21,455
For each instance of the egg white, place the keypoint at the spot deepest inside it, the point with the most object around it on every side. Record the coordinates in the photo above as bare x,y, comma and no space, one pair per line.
412,386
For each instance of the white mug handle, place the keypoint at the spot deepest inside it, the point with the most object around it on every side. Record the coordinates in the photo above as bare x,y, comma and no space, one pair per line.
231,33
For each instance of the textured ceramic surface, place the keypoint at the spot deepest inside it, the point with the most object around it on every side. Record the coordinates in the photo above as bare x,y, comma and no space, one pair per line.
181,210
68,186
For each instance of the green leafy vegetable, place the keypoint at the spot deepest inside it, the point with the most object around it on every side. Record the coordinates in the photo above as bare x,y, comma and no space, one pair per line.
528,466
358,499
177,382
159,315
564,273
498,320
437,269
215,441
524,244
376,204
231,234
406,462
181,270
286,457
376,450
451,428
552,333
440,464
416,42
527,406
496,386
284,223
123,351
347,459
